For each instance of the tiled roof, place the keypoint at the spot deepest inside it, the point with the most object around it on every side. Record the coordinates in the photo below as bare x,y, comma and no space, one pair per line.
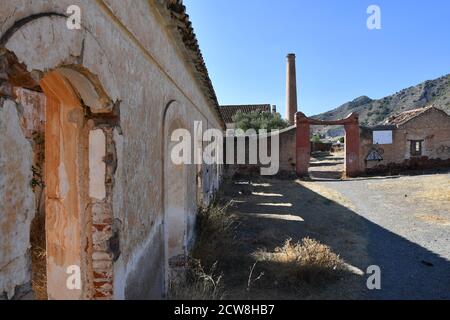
185,32
401,118
229,111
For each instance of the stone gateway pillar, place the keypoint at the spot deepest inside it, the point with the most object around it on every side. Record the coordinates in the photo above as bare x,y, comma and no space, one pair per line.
291,89
303,145
352,148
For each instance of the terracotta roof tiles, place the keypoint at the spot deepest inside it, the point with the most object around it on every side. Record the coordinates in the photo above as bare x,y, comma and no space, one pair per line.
180,19
403,117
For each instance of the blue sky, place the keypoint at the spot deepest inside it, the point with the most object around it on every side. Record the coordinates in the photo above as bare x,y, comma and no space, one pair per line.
245,43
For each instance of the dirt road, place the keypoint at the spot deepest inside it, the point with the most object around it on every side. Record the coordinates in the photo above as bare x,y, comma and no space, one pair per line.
408,223
401,224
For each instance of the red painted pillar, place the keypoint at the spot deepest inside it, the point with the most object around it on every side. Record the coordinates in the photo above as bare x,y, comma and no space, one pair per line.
302,145
352,147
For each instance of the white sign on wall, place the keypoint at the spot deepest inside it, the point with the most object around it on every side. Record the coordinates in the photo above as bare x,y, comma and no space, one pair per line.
382,137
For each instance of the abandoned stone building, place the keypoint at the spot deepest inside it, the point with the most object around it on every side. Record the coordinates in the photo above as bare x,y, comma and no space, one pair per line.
413,139
86,116
85,121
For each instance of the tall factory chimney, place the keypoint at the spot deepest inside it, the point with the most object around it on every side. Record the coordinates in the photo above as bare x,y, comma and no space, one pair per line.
291,89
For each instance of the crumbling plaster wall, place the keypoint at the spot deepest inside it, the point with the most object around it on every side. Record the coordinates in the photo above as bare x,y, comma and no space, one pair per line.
17,207
128,47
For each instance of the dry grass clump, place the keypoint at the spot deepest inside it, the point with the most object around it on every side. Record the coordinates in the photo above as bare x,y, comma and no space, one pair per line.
39,279
202,279
215,219
38,253
215,234
197,284
308,261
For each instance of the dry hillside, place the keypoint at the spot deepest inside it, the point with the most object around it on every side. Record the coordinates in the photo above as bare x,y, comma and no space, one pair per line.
371,112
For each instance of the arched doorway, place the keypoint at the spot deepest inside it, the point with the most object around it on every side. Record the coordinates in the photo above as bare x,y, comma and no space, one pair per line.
72,222
175,207
175,198
78,170
66,164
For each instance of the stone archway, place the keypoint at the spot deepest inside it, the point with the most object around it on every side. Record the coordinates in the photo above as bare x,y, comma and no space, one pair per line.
73,73
303,145
78,205
175,184
79,167
175,208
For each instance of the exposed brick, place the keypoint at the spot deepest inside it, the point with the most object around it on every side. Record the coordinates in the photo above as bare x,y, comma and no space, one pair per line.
102,275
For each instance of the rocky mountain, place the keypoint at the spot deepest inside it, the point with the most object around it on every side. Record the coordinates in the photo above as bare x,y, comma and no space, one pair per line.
371,112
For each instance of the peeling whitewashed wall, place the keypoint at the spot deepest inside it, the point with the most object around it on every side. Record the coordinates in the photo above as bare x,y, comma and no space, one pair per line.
17,206
126,45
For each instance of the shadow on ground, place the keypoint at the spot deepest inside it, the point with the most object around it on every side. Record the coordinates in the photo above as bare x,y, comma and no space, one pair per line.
272,211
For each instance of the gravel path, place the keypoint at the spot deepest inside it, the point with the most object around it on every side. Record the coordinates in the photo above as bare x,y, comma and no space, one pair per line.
408,236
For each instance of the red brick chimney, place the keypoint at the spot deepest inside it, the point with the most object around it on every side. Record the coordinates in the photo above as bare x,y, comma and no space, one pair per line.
291,89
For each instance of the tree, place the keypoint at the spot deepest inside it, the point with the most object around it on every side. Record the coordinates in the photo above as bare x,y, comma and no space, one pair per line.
315,138
259,120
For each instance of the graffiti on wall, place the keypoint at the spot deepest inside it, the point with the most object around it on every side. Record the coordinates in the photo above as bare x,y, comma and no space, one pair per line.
375,154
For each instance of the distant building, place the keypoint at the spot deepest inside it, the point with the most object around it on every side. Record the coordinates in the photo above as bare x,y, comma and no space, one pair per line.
228,112
411,139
